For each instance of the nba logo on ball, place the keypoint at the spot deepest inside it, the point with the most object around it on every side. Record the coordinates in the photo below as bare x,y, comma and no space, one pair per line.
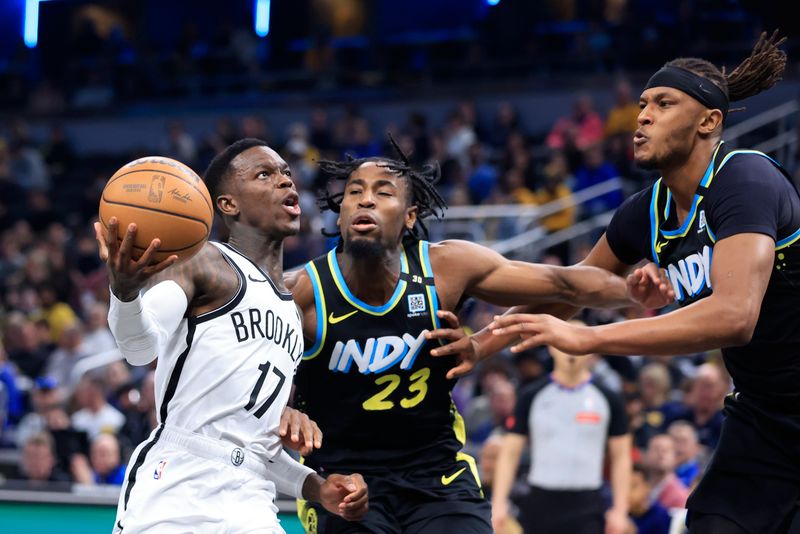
166,200
159,472
156,189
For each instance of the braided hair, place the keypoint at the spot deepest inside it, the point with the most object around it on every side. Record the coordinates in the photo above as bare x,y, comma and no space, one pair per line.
422,191
760,71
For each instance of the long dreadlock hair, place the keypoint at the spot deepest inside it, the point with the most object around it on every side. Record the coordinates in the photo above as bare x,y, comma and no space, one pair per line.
760,71
421,186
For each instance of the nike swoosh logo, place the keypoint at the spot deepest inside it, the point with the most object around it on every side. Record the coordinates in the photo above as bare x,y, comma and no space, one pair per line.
250,277
447,480
333,319
659,246
119,525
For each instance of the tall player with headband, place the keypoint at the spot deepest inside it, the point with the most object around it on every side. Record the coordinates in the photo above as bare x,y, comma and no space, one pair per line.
228,338
724,225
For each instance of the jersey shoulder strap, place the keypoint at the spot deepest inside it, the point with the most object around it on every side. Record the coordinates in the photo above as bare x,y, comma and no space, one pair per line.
723,156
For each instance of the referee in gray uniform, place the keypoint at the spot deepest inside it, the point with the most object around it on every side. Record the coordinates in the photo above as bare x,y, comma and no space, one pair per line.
568,419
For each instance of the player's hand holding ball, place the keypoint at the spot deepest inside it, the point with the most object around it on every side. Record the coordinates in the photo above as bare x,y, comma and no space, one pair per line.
154,212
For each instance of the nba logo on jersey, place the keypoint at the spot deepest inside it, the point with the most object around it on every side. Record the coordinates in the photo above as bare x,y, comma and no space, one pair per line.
416,303
159,472
701,225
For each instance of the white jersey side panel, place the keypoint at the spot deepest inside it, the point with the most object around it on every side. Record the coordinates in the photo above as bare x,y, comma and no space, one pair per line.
227,374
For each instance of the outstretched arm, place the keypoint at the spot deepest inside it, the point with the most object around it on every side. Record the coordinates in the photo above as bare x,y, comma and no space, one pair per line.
491,277
648,288
740,273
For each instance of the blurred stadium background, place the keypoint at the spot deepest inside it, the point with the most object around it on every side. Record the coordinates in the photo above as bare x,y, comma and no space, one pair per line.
529,106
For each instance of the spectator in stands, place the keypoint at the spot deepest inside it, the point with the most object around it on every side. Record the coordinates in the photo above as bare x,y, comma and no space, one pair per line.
320,135
659,410
531,365
28,167
619,129
506,121
105,463
13,400
502,399
25,349
98,337
582,128
130,401
95,415
458,137
44,395
223,135
64,359
649,517
687,452
512,189
38,463
569,421
40,212
179,144
597,170
301,156
482,176
58,153
623,116
361,144
705,399
70,442
555,186
58,314
490,410
255,126
660,461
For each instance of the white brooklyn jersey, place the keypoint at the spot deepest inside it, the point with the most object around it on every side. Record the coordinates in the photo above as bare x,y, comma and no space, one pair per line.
227,374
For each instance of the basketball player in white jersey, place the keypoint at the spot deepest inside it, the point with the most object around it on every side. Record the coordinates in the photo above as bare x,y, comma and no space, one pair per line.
228,337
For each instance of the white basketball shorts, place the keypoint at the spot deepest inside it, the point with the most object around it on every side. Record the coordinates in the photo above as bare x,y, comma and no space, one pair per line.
181,482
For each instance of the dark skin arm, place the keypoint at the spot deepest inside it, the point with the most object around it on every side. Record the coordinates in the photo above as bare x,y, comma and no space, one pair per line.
484,274
647,286
740,273
206,278
343,495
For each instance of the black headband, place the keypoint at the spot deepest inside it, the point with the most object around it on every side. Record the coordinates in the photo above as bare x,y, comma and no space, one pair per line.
701,89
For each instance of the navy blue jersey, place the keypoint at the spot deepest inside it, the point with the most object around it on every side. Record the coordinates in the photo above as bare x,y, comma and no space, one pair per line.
369,381
742,191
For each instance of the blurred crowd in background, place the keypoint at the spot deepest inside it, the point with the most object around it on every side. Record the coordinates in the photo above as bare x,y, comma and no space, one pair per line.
71,411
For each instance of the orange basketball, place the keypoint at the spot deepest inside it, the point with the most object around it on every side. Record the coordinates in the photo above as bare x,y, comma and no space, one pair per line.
166,199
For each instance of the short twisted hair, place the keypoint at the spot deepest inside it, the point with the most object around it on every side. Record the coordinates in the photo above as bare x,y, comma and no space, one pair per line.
421,186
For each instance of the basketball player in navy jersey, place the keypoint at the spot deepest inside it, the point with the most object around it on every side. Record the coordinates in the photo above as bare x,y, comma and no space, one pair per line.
724,226
368,378
228,338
